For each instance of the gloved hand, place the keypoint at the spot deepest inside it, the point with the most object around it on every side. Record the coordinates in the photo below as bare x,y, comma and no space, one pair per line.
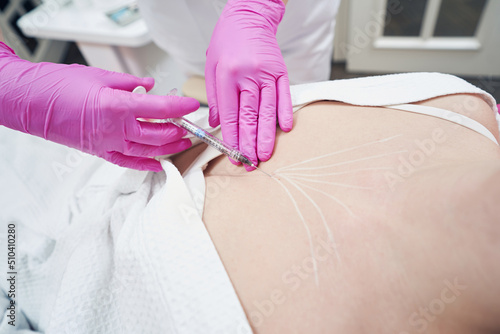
246,77
90,109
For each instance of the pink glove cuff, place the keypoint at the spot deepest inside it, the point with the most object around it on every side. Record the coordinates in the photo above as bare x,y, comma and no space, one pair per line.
272,10
6,50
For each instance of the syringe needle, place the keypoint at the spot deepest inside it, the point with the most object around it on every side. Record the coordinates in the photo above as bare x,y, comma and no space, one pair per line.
262,171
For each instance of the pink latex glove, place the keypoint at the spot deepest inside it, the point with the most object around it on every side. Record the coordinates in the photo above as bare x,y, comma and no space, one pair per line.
247,80
90,109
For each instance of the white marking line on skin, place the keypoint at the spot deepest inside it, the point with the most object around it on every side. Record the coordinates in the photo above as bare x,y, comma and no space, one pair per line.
326,182
338,152
336,173
305,225
349,162
339,202
293,179
325,224
327,228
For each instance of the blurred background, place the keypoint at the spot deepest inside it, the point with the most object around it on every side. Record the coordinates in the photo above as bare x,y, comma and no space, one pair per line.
460,37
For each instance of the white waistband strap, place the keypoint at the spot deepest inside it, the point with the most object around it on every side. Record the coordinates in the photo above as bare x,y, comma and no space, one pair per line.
447,115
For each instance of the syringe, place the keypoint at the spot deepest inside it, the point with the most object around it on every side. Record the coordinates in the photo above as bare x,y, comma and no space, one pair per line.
205,136
213,141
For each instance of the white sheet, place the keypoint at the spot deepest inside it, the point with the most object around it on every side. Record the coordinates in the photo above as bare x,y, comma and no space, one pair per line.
102,249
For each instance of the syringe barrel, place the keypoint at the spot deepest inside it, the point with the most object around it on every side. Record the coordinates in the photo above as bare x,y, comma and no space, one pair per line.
211,140
206,137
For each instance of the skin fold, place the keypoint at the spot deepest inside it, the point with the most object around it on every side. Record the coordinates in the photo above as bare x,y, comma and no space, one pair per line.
389,226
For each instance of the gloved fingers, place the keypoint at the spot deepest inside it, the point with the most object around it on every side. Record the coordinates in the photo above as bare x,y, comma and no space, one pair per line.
143,150
228,106
148,83
162,107
127,82
145,164
285,109
156,134
211,86
248,122
267,122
